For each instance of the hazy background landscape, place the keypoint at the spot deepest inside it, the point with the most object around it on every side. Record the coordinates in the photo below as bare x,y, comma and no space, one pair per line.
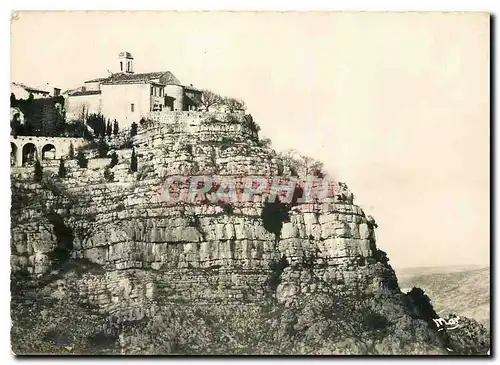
464,290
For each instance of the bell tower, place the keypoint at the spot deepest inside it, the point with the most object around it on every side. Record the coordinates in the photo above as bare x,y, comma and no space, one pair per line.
125,60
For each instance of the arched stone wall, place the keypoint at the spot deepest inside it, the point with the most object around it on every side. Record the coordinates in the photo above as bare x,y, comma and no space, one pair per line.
13,154
29,154
49,152
42,146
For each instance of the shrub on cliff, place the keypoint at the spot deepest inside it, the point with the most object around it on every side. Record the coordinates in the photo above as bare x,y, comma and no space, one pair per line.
230,118
133,129
274,215
277,267
232,104
226,142
109,128
133,161
114,160
102,148
250,123
82,160
264,142
38,171
71,153
209,120
62,169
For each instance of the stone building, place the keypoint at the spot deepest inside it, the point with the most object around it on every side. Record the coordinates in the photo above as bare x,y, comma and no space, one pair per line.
22,91
42,116
128,96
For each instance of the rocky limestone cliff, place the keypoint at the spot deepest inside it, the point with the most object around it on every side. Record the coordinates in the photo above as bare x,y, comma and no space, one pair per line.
131,272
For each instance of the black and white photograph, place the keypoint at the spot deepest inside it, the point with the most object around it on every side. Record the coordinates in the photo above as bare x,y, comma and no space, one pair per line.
250,183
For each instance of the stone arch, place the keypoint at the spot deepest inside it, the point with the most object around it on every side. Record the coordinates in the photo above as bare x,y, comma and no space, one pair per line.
49,152
29,154
13,154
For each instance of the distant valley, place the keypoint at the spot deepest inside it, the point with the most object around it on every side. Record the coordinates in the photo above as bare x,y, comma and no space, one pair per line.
464,290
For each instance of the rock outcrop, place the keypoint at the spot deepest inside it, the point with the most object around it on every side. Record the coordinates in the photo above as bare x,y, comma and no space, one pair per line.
201,276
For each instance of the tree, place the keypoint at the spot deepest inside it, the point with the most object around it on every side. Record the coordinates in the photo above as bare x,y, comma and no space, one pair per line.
115,127
233,104
38,171
265,142
301,165
98,124
109,129
82,160
209,98
133,161
102,148
250,123
62,169
13,101
71,152
15,124
133,129
114,160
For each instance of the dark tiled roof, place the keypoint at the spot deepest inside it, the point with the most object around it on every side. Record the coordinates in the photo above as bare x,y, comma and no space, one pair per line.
30,89
126,78
87,92
97,80
165,77
192,88
168,78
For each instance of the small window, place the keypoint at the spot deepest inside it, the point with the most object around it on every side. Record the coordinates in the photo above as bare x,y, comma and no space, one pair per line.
132,108
121,65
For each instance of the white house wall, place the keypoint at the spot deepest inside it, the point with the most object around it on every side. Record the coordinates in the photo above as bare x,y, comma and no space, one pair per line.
117,100
75,105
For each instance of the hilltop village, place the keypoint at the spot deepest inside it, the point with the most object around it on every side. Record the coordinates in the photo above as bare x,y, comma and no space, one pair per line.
45,123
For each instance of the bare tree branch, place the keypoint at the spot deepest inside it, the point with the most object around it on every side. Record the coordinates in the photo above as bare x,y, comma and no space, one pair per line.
209,98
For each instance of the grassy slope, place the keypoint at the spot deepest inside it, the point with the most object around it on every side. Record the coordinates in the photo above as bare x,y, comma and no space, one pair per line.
462,290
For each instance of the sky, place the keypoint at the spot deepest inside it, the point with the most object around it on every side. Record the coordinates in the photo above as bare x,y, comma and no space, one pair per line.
396,105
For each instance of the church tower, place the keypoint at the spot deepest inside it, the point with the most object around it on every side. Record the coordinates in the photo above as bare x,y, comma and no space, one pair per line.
125,63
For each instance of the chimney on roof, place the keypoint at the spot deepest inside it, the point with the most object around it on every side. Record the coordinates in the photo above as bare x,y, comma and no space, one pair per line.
57,91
